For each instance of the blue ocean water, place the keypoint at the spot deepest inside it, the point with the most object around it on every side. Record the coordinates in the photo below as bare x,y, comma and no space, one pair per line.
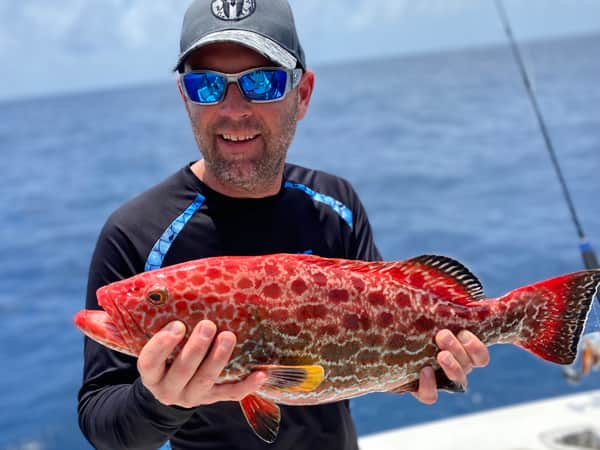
443,149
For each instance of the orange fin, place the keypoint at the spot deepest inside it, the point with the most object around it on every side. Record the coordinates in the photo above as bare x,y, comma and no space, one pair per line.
292,378
262,415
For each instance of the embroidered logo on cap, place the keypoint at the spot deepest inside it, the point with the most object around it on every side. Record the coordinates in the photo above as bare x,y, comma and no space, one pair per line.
233,9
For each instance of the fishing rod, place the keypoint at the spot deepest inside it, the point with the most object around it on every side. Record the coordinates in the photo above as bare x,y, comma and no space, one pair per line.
588,255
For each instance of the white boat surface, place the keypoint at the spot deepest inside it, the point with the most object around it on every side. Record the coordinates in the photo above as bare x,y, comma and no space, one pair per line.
570,422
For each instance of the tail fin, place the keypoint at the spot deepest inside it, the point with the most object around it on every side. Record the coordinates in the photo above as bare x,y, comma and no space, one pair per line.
556,311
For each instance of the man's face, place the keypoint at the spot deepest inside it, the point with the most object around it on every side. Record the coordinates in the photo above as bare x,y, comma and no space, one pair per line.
244,144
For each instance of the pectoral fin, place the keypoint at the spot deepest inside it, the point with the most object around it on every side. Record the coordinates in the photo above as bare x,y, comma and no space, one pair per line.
292,378
262,415
443,384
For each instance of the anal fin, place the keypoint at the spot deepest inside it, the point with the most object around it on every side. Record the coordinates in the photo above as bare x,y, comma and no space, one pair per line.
262,415
292,378
443,384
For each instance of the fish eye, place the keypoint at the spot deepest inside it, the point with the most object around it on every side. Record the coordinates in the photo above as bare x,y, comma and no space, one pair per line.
157,296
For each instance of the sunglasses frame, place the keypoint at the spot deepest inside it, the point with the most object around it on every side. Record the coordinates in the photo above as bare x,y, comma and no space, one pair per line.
292,80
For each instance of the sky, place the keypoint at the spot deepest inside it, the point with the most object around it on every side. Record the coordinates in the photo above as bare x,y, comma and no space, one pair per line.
58,46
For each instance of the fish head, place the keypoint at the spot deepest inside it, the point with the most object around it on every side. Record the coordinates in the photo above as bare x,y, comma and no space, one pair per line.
134,310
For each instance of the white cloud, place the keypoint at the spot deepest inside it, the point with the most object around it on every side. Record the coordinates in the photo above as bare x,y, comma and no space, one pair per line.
50,21
148,22
91,26
116,39
440,7
357,15
367,14
83,26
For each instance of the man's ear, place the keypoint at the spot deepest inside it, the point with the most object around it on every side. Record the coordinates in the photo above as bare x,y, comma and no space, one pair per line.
183,97
305,89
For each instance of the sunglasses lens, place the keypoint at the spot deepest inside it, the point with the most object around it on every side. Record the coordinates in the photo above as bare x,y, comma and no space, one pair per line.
204,87
264,85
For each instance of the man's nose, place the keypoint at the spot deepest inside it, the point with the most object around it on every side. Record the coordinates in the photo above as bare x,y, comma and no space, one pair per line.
234,103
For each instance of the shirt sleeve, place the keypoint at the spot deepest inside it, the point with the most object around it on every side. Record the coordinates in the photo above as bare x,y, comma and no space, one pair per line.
362,244
115,409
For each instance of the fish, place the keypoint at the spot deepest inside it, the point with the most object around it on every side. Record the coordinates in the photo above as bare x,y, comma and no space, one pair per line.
327,329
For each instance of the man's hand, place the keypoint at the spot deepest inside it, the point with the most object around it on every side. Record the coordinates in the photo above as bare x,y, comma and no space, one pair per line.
190,380
457,358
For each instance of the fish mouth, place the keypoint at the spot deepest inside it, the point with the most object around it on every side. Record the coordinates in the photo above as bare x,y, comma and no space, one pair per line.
99,326
123,321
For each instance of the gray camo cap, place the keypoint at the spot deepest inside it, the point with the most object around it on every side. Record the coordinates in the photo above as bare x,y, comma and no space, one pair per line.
266,26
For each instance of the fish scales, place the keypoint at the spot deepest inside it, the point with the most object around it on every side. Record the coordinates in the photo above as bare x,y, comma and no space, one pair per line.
366,326
288,322
285,313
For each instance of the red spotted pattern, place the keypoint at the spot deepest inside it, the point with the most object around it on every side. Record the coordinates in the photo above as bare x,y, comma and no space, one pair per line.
369,325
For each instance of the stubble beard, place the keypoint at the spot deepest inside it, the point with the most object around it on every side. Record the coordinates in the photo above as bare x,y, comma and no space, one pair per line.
258,173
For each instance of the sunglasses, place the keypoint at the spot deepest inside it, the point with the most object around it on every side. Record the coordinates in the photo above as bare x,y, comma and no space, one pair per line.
260,85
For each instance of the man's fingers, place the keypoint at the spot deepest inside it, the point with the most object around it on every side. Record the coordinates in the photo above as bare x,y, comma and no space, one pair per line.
190,380
457,357
452,368
213,363
241,389
153,356
427,392
477,350
446,341
191,356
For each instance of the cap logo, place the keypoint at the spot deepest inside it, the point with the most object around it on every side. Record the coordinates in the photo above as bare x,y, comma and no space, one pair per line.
233,9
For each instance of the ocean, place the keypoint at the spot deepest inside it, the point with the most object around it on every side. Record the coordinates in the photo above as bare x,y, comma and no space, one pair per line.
443,149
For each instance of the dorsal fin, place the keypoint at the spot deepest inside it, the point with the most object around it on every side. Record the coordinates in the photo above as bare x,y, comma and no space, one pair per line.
449,270
440,275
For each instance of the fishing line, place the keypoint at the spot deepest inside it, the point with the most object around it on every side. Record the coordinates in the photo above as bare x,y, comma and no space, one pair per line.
588,255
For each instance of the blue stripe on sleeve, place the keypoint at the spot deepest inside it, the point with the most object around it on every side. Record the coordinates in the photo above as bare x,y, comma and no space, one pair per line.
342,210
162,246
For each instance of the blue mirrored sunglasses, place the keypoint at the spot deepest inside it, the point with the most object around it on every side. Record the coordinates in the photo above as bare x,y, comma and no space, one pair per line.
260,85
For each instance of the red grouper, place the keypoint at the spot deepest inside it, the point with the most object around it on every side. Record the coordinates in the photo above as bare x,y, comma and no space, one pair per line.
331,329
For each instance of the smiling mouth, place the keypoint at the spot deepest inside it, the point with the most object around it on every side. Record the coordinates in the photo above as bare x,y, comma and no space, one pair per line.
238,138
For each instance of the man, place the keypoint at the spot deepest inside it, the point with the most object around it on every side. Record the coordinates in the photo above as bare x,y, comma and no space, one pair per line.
245,85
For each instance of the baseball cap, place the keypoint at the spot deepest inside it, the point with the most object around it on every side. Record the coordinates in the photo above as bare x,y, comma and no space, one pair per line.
266,26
